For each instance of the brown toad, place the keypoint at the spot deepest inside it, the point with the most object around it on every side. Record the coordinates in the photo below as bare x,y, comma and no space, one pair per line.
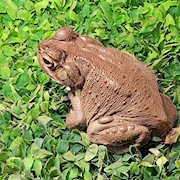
112,94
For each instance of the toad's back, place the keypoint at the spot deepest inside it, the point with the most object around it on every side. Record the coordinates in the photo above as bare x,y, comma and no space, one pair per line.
119,84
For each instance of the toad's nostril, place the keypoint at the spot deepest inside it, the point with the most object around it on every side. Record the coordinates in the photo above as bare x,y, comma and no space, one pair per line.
46,61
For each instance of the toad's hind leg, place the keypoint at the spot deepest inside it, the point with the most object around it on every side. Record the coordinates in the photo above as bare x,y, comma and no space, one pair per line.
117,134
170,109
171,112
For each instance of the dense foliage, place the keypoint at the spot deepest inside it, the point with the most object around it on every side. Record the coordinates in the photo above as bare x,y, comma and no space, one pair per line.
34,141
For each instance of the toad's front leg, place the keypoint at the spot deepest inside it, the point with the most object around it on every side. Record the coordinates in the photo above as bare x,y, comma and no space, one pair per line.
117,134
75,118
69,75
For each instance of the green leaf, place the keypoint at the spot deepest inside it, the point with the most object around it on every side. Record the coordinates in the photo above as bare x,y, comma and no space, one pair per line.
28,163
54,172
134,168
146,164
43,78
2,6
86,10
11,9
14,93
85,139
3,156
149,158
7,91
62,146
177,163
100,177
23,80
161,161
42,153
36,145
73,173
129,28
35,112
106,8
15,146
69,156
15,162
37,167
87,175
91,152
41,5
8,50
167,4
23,14
15,177
30,87
158,14
74,16
83,165
5,72
44,106
29,5
2,107
148,24
131,40
113,166
5,34
79,156
169,20
44,119
46,96
157,64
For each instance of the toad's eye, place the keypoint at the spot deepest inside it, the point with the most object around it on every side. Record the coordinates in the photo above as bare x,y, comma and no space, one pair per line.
46,61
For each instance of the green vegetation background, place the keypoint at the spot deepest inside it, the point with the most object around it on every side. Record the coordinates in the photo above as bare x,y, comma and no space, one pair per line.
34,141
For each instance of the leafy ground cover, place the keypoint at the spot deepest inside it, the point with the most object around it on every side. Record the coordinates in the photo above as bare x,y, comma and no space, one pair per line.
34,141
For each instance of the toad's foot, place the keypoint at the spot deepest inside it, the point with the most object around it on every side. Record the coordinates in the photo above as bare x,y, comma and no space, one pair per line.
172,136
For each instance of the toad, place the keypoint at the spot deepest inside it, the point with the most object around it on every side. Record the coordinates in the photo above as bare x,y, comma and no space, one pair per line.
113,95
